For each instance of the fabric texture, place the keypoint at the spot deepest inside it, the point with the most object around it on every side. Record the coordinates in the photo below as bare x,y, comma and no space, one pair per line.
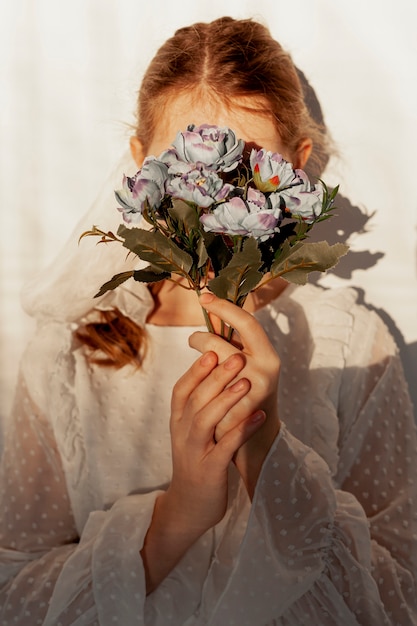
65,290
330,537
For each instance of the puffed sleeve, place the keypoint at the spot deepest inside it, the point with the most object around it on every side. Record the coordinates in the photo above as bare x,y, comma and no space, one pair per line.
332,549
48,574
52,571
37,530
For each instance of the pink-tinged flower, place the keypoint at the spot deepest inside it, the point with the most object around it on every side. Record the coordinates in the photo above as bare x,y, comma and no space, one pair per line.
216,148
148,184
199,185
256,197
305,204
303,200
244,218
270,170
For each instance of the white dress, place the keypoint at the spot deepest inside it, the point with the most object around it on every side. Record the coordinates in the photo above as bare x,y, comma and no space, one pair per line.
329,539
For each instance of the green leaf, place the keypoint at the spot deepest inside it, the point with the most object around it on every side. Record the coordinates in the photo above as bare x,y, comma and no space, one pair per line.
296,262
301,229
284,251
157,249
201,252
149,275
328,201
184,214
114,282
218,251
241,275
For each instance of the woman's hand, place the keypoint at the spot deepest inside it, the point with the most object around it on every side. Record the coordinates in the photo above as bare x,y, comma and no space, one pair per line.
201,399
262,366
196,499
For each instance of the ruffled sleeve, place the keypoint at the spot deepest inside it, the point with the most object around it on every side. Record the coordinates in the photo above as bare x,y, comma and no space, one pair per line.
61,563
42,560
103,578
50,572
333,546
37,530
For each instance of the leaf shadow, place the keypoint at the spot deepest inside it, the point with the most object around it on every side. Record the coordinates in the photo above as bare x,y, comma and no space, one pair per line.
349,219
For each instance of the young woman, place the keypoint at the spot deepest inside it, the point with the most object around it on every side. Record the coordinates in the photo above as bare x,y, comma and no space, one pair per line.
145,483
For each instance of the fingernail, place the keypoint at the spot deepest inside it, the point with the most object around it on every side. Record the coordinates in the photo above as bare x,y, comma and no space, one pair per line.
233,362
241,384
207,358
257,417
205,298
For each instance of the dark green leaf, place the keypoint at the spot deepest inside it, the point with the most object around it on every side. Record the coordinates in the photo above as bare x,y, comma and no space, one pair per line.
185,215
201,252
272,247
284,252
296,262
328,200
114,282
241,275
148,275
301,229
157,249
218,250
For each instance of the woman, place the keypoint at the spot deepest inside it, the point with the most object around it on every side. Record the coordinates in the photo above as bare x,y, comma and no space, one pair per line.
266,484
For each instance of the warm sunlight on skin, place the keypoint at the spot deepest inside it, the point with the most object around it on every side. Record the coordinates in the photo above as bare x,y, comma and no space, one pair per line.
251,126
180,307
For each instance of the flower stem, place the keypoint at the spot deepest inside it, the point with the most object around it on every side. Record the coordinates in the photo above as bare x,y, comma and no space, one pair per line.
206,315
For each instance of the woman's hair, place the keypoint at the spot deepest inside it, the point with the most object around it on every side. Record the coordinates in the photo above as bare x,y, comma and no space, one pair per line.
115,340
220,60
224,59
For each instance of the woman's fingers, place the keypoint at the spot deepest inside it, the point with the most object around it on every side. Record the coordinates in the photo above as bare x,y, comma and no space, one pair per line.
185,385
209,342
251,333
205,393
235,438
202,424
215,378
216,382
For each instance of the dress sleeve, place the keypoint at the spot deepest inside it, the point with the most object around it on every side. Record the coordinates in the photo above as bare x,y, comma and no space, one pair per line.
328,549
37,531
52,573
48,574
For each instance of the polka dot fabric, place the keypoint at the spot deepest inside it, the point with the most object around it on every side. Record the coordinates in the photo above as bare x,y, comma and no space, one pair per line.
330,537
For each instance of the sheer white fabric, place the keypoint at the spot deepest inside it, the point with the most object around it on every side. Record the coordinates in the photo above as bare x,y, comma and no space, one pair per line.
65,290
330,537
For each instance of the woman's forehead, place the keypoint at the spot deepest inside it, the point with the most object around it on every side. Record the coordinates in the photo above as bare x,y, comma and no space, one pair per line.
244,116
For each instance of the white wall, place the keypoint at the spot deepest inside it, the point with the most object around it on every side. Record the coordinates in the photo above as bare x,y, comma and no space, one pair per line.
69,72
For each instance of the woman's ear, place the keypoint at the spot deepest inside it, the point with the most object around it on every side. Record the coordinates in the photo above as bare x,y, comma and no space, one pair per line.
303,153
137,151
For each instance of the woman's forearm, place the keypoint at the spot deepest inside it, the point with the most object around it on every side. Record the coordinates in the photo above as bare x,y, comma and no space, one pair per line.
168,538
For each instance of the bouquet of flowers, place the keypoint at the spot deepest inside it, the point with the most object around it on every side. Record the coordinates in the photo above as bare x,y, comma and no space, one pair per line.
221,216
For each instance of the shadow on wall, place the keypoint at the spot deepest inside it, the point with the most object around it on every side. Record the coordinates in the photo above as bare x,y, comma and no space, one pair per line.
353,220
408,351
350,219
